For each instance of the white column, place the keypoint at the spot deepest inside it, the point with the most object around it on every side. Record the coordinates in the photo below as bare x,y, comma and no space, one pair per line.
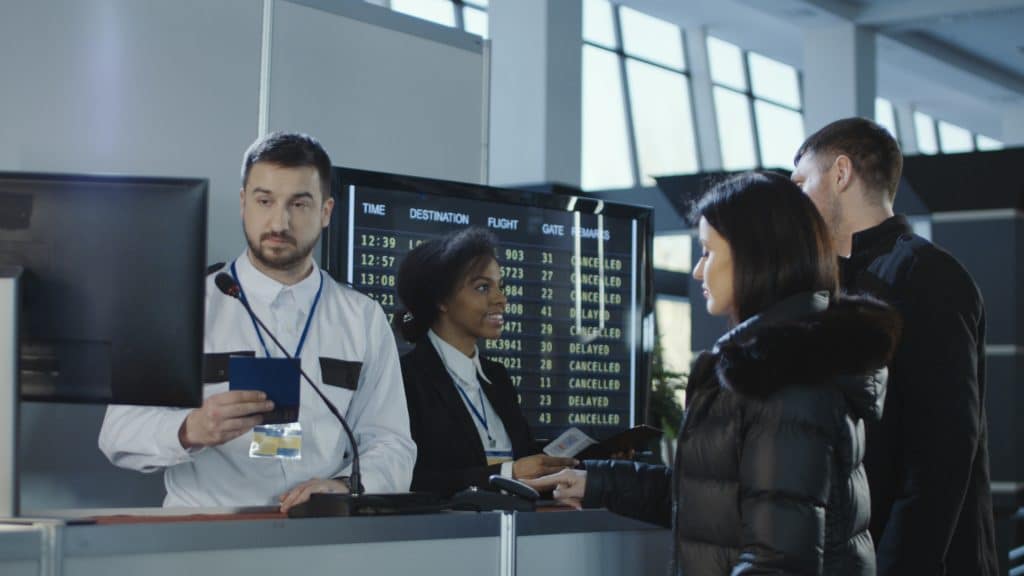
703,100
1013,127
839,74
536,80
9,392
906,128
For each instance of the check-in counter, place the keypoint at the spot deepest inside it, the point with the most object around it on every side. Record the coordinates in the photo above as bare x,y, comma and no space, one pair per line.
590,542
458,544
22,550
450,544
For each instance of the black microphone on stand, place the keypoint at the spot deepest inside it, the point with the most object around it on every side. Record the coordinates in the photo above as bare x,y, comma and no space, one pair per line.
230,287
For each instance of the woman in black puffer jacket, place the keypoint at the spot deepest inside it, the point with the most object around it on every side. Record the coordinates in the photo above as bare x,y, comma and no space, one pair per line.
768,476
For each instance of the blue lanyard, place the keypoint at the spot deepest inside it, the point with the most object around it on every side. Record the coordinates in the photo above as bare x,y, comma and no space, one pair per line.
309,319
482,418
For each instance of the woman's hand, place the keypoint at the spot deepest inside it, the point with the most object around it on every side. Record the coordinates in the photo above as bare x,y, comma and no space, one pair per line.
539,465
569,486
301,493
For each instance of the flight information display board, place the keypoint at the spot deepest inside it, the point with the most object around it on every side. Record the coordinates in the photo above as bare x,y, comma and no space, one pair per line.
575,276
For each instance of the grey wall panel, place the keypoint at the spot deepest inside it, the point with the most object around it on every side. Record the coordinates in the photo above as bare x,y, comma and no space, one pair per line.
988,249
61,466
134,87
1005,426
378,98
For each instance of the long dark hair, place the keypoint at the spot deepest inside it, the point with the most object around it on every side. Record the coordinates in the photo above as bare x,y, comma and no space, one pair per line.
430,273
780,244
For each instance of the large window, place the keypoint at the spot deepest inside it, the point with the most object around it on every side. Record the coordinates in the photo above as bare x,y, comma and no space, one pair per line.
935,136
985,143
672,264
637,114
468,15
605,147
954,139
885,115
673,319
758,107
924,128
673,252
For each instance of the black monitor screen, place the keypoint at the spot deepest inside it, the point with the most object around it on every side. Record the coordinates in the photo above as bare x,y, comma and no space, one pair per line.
112,290
576,361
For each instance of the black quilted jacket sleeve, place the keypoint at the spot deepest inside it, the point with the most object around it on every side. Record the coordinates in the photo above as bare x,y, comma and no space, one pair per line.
641,491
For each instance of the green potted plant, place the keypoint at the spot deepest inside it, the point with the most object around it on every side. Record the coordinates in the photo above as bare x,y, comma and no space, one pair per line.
665,406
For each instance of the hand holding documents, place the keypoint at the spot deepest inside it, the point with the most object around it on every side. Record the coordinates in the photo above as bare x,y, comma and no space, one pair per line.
574,443
278,378
569,443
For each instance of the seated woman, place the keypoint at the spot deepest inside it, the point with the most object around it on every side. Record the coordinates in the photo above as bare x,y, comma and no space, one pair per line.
768,475
463,410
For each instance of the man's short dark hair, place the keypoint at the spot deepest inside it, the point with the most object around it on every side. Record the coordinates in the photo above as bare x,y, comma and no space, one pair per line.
875,155
290,150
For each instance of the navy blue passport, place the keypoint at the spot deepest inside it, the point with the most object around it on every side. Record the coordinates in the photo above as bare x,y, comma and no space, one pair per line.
277,377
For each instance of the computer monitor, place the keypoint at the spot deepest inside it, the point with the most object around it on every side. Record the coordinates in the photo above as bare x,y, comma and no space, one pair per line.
578,280
112,291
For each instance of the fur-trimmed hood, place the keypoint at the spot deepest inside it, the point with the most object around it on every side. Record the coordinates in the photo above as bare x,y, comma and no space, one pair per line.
805,340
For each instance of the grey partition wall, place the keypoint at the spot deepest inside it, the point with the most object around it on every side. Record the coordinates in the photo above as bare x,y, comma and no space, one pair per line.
990,244
173,89
130,87
134,87
151,87
382,90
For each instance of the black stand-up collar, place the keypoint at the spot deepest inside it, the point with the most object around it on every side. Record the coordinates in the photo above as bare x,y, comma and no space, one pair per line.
885,232
869,244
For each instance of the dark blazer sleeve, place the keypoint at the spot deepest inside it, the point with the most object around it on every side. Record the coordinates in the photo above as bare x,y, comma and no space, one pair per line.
939,399
450,456
784,481
633,489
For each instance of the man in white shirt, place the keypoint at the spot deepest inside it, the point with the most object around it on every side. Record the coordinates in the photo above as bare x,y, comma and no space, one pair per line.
341,336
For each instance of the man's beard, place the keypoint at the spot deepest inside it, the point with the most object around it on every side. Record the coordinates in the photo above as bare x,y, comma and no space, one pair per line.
283,259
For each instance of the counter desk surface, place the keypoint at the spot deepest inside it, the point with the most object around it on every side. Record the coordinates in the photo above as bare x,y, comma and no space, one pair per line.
158,541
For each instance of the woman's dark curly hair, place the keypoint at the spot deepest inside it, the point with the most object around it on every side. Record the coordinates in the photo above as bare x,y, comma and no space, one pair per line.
431,273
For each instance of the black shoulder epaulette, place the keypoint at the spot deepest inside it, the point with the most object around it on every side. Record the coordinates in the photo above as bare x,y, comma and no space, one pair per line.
212,268
884,276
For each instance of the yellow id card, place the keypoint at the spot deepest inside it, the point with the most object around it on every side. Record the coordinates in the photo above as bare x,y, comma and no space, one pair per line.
277,441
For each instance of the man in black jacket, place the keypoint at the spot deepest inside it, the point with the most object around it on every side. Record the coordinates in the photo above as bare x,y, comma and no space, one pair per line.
927,460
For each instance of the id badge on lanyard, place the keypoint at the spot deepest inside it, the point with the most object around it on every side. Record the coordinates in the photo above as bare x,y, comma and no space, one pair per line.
284,440
494,456
498,456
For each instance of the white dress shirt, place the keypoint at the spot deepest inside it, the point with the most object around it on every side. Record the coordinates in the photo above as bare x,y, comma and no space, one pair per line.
346,326
465,372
